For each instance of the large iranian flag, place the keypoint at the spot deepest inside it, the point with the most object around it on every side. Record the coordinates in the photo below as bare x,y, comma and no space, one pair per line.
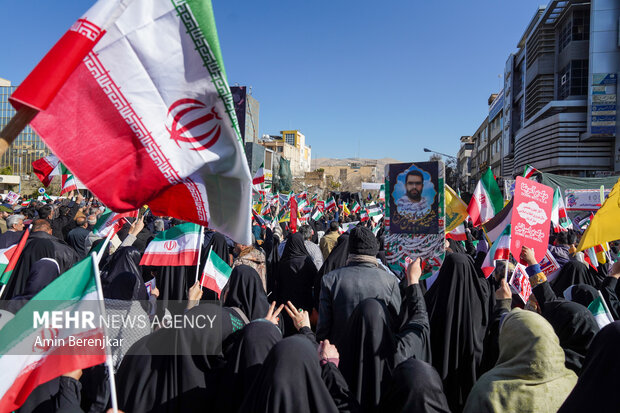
177,246
486,201
31,354
138,88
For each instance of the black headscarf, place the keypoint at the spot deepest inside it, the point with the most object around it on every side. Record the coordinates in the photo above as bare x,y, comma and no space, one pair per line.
582,293
290,381
338,257
597,387
126,286
370,352
106,254
575,326
244,362
220,247
125,259
458,305
179,382
295,277
42,273
294,248
415,387
573,272
245,291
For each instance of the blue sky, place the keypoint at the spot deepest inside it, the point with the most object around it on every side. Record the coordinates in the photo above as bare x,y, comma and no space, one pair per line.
386,78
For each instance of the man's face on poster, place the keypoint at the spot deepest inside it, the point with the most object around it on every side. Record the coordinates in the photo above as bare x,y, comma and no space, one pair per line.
414,187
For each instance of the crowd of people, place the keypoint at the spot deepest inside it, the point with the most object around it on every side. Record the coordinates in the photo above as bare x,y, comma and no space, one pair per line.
314,320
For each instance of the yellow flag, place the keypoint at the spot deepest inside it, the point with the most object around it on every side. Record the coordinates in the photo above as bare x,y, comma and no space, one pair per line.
257,208
456,210
286,217
345,210
604,226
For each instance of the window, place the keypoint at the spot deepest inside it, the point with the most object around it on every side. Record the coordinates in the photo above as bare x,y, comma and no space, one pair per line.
289,138
576,27
573,79
581,24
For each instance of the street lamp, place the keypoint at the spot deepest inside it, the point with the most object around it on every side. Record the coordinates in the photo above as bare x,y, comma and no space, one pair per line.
439,153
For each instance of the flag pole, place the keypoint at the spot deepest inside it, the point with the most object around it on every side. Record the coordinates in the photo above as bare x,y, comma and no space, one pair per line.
108,358
200,238
104,246
18,123
208,257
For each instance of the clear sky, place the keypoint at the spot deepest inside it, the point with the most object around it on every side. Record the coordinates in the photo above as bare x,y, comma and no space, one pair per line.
386,77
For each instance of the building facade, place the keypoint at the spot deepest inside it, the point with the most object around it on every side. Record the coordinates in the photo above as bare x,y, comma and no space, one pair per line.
463,163
495,128
560,89
27,147
291,145
480,152
247,109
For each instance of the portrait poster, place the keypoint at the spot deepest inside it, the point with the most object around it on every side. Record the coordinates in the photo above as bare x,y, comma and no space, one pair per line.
425,224
414,198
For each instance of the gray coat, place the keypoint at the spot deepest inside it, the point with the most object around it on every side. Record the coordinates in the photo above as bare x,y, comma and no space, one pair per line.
343,289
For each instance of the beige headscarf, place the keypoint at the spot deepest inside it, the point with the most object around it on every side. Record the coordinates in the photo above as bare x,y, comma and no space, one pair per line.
530,375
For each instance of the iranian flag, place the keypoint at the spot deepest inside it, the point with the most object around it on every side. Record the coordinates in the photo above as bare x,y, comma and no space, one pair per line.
177,246
111,221
46,169
27,361
139,89
9,257
559,217
331,203
364,215
69,182
259,177
486,201
500,250
530,171
355,208
458,233
598,307
215,274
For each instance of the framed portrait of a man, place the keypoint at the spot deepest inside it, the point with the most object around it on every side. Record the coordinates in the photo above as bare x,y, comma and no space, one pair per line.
414,198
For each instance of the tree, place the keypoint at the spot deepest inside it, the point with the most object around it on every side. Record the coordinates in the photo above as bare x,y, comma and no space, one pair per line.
451,171
7,170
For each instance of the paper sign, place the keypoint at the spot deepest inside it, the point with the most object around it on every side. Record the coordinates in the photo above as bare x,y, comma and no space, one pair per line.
520,282
149,286
531,217
12,198
549,266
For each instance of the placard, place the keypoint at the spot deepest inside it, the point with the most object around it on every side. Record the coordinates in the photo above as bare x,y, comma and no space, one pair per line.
549,266
531,217
520,282
11,198
150,285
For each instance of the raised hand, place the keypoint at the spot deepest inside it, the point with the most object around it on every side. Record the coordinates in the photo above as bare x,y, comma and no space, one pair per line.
273,313
300,317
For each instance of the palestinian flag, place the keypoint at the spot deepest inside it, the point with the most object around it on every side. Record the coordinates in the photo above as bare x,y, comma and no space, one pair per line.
140,88
331,204
355,208
559,217
500,250
177,246
585,222
317,214
486,201
215,274
494,227
599,309
9,257
258,218
46,169
26,361
259,177
374,210
111,221
530,171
